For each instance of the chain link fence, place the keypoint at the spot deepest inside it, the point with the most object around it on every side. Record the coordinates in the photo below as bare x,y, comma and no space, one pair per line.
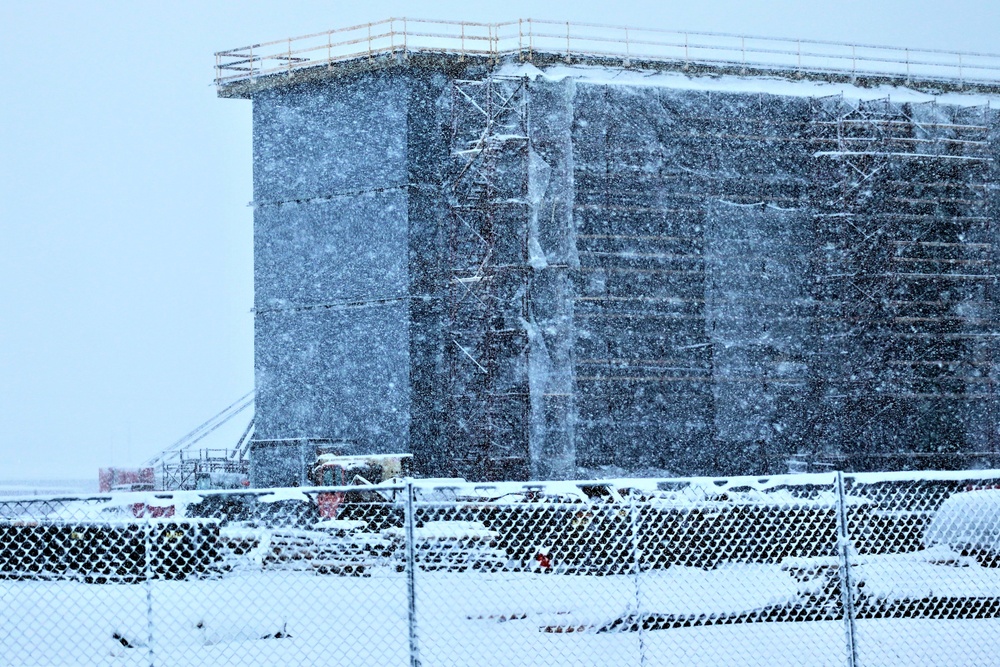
874,569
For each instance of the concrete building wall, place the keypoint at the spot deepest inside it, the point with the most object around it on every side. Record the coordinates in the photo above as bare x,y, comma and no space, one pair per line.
690,281
332,253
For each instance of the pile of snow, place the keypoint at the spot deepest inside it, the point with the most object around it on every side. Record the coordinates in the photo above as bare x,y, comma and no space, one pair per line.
774,85
967,521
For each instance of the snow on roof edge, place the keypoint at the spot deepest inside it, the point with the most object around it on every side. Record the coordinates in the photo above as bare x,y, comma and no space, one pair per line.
606,75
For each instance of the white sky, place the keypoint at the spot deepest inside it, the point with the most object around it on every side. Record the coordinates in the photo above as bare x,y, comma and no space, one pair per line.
125,236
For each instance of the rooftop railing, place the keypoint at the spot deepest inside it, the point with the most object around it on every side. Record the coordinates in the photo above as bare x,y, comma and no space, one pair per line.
529,39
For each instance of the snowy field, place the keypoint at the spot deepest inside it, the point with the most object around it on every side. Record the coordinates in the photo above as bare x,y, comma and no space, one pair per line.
515,619
265,603
46,487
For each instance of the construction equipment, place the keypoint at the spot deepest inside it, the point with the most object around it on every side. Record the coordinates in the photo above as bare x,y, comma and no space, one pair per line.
335,470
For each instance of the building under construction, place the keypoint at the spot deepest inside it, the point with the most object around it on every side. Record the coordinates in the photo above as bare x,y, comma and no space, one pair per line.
543,250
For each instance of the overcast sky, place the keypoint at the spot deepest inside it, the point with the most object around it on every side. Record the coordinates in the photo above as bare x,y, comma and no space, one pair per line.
125,236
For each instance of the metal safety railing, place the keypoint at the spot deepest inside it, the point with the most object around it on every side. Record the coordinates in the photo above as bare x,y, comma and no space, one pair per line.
530,39
831,569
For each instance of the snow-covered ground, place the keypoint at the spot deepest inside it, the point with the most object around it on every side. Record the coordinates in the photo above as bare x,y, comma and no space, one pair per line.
473,618
270,608
46,487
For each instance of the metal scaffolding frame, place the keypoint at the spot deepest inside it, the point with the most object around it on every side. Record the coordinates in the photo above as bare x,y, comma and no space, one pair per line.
178,466
905,269
184,471
486,344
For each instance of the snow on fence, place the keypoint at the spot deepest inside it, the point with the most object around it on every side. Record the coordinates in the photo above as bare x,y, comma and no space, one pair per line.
829,569
529,39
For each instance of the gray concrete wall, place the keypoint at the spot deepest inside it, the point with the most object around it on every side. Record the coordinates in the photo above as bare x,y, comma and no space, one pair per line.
427,220
332,251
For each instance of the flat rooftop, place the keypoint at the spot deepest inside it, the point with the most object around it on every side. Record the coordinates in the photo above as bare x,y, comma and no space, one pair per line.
406,42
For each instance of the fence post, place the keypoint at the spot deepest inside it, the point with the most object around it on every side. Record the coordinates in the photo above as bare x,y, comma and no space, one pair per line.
520,40
149,587
568,46
531,41
411,590
846,581
637,573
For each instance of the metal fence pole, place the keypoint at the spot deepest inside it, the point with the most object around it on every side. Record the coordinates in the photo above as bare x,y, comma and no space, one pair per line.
149,587
411,591
637,574
846,581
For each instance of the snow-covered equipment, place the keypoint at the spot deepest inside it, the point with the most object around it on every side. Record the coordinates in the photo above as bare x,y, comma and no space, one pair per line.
109,550
338,470
969,523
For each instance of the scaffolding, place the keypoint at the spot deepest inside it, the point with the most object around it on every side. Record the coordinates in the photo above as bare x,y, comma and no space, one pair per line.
182,467
486,344
203,469
906,266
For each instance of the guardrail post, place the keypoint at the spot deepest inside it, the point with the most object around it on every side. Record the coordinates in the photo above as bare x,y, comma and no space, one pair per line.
846,581
520,40
411,588
568,58
531,41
